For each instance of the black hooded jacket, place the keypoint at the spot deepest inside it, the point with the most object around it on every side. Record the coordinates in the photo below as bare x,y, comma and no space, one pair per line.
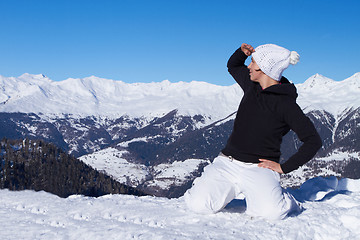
264,117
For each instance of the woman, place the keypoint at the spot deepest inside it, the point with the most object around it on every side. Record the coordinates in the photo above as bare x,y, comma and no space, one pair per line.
249,163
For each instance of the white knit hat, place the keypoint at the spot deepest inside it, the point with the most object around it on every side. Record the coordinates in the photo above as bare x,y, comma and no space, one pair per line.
273,59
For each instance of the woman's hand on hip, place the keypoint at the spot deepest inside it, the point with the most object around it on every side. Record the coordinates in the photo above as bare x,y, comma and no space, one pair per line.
264,163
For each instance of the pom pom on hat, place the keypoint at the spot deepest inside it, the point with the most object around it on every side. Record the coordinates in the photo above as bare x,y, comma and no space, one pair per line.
273,59
294,57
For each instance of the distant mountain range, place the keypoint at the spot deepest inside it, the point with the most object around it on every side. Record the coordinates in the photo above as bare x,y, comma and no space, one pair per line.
93,96
158,136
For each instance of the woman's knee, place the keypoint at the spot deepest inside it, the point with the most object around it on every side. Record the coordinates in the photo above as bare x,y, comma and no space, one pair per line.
199,203
209,198
275,209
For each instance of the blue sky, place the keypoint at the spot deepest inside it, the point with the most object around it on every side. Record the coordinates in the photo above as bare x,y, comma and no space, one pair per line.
178,40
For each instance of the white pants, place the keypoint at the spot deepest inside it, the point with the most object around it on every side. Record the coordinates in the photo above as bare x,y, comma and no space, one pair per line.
225,179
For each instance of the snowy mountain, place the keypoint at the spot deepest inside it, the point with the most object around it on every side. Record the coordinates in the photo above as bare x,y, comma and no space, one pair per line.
93,96
158,136
324,94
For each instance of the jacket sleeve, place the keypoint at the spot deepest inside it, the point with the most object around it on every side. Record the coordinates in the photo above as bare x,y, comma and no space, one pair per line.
306,132
238,69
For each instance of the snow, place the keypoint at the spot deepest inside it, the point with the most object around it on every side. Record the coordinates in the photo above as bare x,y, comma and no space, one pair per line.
335,97
339,155
110,160
94,96
332,211
163,175
141,139
300,175
175,173
332,208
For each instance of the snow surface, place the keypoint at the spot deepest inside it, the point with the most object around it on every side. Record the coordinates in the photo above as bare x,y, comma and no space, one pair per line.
332,211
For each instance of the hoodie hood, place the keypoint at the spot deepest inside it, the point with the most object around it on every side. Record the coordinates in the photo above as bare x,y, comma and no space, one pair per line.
284,88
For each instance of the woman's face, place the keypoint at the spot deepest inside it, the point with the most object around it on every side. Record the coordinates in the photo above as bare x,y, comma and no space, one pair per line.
255,72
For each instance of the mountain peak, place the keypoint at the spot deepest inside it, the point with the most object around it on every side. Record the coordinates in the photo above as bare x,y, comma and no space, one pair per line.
354,80
34,78
317,81
29,75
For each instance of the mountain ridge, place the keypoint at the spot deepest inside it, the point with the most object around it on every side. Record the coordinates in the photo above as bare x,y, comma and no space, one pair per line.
98,96
155,129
